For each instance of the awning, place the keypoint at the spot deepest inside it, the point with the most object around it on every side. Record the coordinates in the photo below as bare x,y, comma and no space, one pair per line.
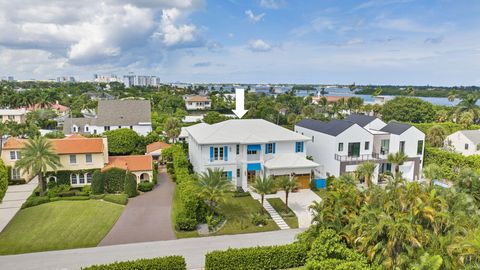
291,161
253,147
254,167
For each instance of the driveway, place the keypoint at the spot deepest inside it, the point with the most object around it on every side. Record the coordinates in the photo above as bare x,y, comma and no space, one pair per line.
193,249
13,200
146,217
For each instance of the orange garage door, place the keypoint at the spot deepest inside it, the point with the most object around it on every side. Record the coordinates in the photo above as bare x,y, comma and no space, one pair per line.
303,181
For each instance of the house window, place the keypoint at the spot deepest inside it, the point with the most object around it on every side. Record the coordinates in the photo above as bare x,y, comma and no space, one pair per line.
238,173
89,176
238,149
402,146
94,131
73,179
15,155
218,153
119,126
131,127
420,147
74,129
340,147
384,147
86,129
251,152
81,178
367,145
107,128
298,147
269,149
466,146
11,117
88,158
73,159
16,175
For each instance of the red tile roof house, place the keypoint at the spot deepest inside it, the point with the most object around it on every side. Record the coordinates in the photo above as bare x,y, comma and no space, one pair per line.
79,157
155,149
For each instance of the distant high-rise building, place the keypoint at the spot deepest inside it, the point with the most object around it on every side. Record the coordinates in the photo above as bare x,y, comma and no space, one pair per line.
140,80
66,79
106,78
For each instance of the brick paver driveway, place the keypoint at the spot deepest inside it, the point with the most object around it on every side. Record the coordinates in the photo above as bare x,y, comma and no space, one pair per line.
146,217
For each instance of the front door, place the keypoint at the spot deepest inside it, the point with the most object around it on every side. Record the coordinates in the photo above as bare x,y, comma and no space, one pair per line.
354,149
251,176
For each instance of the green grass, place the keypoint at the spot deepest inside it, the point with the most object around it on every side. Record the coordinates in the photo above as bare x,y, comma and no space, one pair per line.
59,225
177,208
289,216
238,213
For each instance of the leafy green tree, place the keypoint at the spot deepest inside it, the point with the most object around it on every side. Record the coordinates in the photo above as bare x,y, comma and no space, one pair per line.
287,184
38,156
408,109
432,172
122,141
466,119
213,118
428,262
3,179
213,186
436,136
365,171
263,186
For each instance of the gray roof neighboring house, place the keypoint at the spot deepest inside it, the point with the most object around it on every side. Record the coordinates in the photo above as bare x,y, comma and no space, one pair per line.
114,113
333,127
360,119
396,128
472,135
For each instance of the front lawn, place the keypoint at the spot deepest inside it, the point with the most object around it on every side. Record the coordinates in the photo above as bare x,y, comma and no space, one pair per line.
59,225
238,211
288,216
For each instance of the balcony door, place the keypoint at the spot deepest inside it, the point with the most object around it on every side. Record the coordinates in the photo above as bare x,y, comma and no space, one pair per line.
354,149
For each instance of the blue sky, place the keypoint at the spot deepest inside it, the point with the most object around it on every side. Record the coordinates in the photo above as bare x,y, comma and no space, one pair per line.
246,41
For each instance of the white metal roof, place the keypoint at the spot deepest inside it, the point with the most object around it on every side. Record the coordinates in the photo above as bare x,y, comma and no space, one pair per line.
242,131
13,111
290,160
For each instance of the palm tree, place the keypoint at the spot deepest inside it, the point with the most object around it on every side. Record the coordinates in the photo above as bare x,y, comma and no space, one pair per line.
38,156
410,91
323,102
398,159
213,187
172,128
436,136
468,104
377,91
263,185
287,184
366,170
452,95
279,107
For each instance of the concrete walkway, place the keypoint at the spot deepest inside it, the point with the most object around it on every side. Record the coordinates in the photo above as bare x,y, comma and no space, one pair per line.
193,249
146,217
271,211
13,200
299,202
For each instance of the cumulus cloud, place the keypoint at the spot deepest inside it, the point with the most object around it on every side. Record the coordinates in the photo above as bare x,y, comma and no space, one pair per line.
273,4
252,17
259,45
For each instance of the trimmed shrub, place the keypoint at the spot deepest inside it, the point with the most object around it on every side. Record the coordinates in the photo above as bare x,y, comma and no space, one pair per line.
450,162
122,141
145,186
185,223
35,200
160,263
116,198
98,183
131,185
87,190
271,257
69,193
56,190
3,179
114,180
74,198
97,197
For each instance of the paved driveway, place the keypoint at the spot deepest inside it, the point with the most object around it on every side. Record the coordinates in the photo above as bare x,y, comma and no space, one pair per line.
193,249
146,217
13,200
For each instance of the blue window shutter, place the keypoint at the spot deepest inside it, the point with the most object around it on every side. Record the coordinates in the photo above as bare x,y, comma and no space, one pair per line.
266,148
229,175
302,143
296,147
211,153
225,152
274,144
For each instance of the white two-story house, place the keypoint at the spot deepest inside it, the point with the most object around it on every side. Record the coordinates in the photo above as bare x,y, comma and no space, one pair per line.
197,102
465,142
247,148
339,146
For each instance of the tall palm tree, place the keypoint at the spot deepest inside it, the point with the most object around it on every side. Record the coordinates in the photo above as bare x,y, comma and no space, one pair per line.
366,170
263,185
323,102
377,91
172,128
469,104
213,186
436,136
287,184
38,156
397,159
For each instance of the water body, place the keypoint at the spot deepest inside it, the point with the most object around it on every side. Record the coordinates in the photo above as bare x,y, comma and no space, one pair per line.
345,92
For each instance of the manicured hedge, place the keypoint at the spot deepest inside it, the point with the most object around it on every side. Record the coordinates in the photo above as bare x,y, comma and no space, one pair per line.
63,177
3,179
98,183
145,186
116,198
450,162
131,185
449,127
114,180
257,258
161,263
35,200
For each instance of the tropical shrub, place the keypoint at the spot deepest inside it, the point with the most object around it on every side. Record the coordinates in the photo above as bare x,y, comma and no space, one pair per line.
122,141
98,183
257,258
145,186
116,198
160,263
408,109
3,179
56,190
131,185
259,219
114,180
185,223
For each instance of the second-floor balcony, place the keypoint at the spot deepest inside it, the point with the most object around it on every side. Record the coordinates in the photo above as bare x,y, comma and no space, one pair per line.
253,157
364,157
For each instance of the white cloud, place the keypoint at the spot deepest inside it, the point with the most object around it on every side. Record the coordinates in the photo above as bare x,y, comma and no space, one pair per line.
252,17
273,4
259,45
173,34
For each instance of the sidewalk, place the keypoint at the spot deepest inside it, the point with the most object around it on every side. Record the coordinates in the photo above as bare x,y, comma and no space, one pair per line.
13,200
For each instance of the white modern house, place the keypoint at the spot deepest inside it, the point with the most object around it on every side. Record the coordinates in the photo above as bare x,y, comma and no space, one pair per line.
197,102
111,115
247,148
339,146
465,142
